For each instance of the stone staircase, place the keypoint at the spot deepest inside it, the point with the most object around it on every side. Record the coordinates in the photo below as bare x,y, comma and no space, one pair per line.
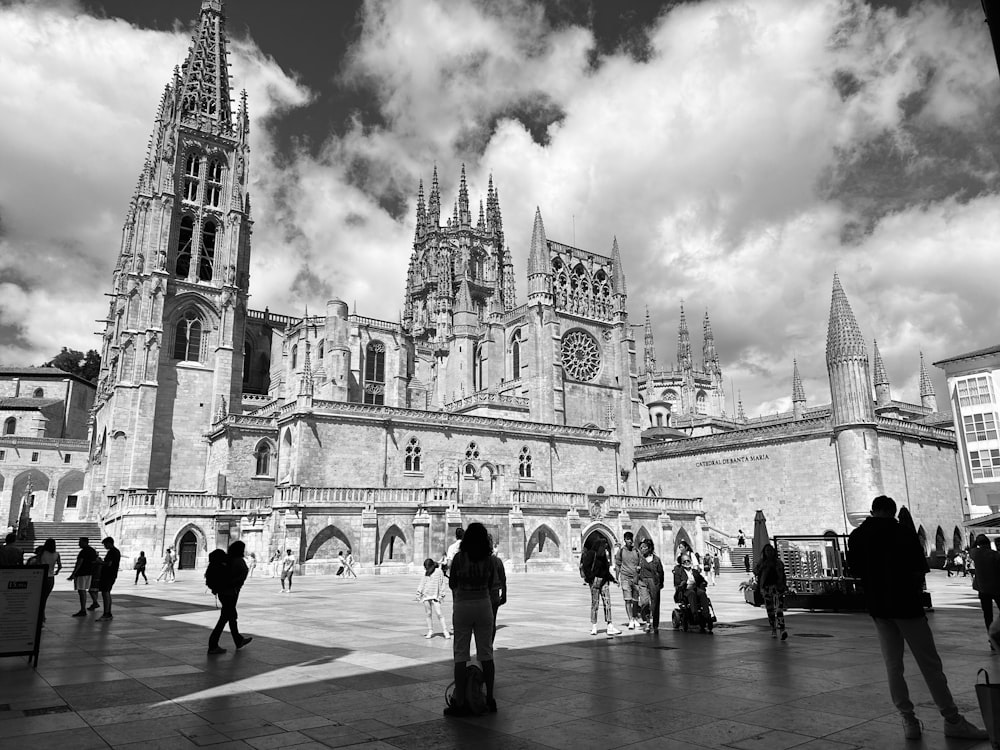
67,536
736,555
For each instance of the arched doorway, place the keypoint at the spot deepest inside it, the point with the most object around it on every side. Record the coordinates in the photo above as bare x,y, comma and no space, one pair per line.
187,552
600,530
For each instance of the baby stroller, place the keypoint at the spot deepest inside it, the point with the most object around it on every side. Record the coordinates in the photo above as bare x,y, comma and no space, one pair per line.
685,617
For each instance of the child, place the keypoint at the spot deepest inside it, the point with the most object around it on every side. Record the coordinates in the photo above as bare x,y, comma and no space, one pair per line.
252,564
431,592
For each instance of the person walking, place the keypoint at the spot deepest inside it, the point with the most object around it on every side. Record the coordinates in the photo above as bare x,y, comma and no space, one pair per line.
650,583
49,556
431,593
627,564
140,568
453,548
349,565
252,564
986,580
890,564
273,562
771,580
471,578
109,574
595,569
226,574
741,539
498,591
716,565
167,571
709,571
287,571
83,570
341,563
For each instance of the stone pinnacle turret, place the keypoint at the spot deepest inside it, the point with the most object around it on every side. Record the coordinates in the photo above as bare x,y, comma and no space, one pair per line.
928,399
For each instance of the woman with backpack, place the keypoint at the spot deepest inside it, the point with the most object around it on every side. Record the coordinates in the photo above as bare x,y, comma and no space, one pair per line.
595,568
226,573
471,576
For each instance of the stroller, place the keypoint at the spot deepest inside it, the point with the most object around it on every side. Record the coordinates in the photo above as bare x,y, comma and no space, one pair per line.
684,617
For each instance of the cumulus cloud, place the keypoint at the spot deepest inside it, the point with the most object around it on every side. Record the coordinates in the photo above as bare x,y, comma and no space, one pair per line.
752,149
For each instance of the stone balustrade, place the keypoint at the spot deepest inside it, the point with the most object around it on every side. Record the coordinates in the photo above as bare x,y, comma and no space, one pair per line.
365,496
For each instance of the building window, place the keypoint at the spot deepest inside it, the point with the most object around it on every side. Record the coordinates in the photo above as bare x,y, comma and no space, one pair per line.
524,461
472,452
9,426
412,461
71,501
66,458
38,393
263,456
192,170
375,373
699,402
980,427
3,455
295,356
985,464
320,357
214,188
187,338
470,470
34,457
478,368
974,391
659,420
580,355
184,238
515,356
206,259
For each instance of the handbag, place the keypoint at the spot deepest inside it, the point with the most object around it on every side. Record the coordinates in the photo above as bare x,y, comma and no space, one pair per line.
989,705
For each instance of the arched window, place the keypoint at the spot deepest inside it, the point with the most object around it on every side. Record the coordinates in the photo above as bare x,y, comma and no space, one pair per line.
187,338
412,460
478,367
515,355
320,354
295,356
524,461
375,373
659,420
263,456
10,426
192,170
206,259
213,191
472,452
700,402
39,393
470,470
184,239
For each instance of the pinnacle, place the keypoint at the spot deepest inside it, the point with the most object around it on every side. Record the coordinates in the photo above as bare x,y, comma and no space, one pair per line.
926,385
616,268
881,376
843,337
798,392
538,254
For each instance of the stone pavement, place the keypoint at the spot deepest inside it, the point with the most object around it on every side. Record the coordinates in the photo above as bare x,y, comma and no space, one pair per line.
344,663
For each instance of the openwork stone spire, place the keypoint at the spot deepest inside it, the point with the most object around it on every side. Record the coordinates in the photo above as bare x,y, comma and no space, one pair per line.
683,343
649,348
204,79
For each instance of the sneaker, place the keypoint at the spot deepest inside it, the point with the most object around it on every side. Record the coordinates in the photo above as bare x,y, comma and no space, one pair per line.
107,616
612,630
963,729
81,613
911,727
93,606
216,650
784,634
593,630
430,634
631,624
245,642
447,635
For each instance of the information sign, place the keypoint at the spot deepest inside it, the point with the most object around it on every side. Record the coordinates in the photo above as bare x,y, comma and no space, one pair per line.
21,610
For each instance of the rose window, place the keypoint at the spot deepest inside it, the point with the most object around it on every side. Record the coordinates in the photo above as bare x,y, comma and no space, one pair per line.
581,356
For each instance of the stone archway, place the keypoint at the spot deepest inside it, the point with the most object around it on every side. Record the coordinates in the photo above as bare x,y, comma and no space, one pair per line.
394,548
39,482
188,542
543,544
597,527
70,484
327,543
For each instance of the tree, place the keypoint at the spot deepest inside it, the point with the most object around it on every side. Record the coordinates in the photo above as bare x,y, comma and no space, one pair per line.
86,366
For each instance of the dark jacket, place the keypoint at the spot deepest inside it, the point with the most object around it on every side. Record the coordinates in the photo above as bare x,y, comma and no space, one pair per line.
771,573
651,573
595,565
891,565
986,579
681,581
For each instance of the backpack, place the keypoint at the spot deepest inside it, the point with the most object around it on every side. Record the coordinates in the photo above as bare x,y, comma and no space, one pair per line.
475,691
217,576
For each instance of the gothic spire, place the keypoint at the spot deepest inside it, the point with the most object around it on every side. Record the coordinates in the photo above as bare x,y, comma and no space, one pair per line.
649,349
708,352
683,343
306,380
481,223
509,290
798,392
463,303
538,255
843,337
434,203
464,216
928,399
880,375
421,210
454,215
204,84
741,415
617,274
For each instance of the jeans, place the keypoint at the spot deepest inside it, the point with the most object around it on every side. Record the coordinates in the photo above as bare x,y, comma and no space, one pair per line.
599,592
649,602
227,614
774,604
986,601
916,633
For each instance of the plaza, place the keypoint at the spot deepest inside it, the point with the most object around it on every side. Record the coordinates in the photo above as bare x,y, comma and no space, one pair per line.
343,663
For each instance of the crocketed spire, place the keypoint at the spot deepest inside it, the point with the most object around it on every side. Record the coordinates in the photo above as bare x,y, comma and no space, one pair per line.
649,348
798,392
928,399
204,79
306,380
617,273
683,343
538,255
880,376
843,336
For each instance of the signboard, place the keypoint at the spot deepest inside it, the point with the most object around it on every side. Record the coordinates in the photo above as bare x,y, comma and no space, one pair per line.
21,610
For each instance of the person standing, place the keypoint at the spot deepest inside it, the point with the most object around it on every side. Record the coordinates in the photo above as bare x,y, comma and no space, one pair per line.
741,539
140,568
771,580
627,563
470,579
112,562
650,583
287,570
431,593
10,554
226,584
498,591
891,565
86,559
716,565
453,548
986,580
49,556
252,564
595,568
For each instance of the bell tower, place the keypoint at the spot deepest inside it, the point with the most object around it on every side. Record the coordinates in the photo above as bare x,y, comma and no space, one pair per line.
172,350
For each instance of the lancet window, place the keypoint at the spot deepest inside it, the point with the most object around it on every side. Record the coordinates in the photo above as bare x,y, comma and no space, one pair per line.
515,355
524,463
374,373
206,258
213,190
187,338
412,459
192,176
184,239
263,456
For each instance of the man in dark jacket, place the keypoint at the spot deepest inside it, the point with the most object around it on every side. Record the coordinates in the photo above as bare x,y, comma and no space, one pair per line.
986,578
891,564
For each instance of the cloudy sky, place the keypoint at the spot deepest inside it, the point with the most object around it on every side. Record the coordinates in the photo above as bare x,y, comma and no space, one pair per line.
742,151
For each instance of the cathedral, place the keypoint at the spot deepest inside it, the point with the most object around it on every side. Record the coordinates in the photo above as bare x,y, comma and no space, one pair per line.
332,431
